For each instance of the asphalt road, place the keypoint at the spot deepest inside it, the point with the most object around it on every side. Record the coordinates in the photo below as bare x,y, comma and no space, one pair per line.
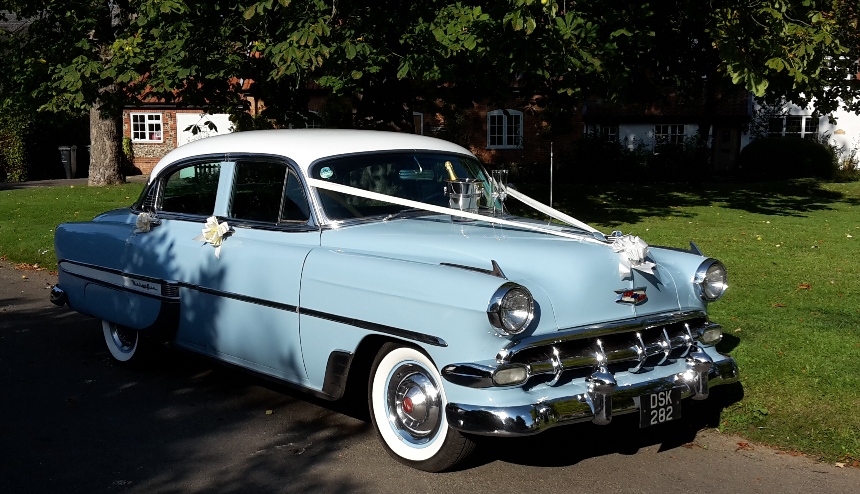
72,421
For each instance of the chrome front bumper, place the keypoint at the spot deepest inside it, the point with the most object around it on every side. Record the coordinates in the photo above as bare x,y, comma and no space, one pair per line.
602,399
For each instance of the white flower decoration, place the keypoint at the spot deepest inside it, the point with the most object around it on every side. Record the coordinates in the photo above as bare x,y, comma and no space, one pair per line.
214,233
634,252
145,222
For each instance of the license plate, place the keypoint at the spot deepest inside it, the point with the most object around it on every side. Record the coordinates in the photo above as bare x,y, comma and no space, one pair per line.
660,407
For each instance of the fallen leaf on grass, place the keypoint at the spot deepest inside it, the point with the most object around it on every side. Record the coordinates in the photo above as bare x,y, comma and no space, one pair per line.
777,305
804,286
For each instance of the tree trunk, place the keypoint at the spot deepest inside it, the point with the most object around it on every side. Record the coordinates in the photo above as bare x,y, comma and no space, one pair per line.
105,148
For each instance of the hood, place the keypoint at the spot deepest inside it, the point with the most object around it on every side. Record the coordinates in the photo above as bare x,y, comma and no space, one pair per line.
575,281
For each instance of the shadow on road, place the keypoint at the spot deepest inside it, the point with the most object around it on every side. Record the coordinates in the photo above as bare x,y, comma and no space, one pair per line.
569,445
79,422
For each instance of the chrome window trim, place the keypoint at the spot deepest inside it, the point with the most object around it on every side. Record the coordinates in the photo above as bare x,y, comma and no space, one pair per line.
157,183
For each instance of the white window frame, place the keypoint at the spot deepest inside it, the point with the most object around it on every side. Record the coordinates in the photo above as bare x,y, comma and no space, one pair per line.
808,128
607,132
505,129
670,134
153,128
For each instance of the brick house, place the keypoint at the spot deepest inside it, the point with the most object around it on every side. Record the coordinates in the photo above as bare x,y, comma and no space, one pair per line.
154,130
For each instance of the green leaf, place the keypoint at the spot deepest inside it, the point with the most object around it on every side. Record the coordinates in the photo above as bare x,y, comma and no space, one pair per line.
403,70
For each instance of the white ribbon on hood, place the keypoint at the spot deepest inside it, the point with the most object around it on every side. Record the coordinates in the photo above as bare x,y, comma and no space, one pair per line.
634,252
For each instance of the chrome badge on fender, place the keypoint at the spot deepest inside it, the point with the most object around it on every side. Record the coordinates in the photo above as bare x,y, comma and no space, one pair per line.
635,296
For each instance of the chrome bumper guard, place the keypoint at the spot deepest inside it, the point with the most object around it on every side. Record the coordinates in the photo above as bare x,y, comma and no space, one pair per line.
58,296
602,399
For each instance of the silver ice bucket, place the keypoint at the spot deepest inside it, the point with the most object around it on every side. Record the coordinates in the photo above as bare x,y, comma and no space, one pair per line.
463,194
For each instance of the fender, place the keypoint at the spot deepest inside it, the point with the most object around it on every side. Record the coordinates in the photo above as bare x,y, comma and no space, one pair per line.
349,295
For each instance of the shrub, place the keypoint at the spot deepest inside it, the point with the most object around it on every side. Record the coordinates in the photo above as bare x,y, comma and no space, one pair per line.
778,158
13,162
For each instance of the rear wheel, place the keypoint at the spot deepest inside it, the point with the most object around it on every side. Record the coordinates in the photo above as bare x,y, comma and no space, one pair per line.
124,343
407,408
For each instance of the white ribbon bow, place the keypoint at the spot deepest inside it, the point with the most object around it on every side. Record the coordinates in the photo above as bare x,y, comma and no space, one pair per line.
214,233
634,252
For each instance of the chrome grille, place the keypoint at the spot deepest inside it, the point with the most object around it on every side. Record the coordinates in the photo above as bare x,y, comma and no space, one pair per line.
635,349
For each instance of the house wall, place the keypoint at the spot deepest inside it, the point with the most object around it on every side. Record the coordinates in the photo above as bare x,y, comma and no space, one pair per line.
843,134
635,135
147,154
543,141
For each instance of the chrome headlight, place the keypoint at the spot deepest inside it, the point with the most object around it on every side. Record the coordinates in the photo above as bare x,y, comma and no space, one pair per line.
511,309
711,280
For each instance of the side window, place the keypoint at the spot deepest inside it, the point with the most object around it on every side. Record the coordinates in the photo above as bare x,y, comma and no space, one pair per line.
192,189
295,206
267,192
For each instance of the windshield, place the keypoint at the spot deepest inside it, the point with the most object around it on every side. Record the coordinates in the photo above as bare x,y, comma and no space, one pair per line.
415,176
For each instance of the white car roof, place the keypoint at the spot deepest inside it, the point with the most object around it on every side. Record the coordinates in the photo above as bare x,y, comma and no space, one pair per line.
304,146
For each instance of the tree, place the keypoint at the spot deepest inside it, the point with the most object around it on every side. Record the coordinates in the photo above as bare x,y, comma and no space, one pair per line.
387,58
60,62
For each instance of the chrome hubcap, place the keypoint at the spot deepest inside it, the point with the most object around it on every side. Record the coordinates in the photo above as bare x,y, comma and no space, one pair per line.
123,338
414,403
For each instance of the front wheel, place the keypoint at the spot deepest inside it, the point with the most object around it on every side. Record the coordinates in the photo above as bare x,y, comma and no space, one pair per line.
124,343
407,407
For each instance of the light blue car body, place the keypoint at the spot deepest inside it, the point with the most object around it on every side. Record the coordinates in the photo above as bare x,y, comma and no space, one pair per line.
296,302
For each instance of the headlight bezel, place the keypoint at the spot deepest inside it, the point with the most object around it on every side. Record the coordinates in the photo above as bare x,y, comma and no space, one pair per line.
504,300
710,286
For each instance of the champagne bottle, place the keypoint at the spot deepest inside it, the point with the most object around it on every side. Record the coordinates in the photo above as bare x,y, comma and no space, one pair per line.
450,168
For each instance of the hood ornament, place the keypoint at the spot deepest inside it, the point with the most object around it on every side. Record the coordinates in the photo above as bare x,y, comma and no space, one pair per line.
634,296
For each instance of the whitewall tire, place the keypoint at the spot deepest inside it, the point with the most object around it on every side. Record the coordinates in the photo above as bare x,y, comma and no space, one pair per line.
407,408
123,343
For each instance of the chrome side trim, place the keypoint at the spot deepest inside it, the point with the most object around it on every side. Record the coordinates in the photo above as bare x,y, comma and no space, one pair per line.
114,278
241,298
379,328
349,321
538,417
496,271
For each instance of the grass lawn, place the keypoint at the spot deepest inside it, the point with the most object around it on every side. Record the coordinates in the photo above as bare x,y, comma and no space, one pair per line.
791,315
28,217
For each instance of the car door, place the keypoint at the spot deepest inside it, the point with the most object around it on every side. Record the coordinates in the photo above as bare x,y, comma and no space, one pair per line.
250,295
240,305
182,199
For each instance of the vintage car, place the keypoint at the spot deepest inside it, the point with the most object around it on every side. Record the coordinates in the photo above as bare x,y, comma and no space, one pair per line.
330,259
